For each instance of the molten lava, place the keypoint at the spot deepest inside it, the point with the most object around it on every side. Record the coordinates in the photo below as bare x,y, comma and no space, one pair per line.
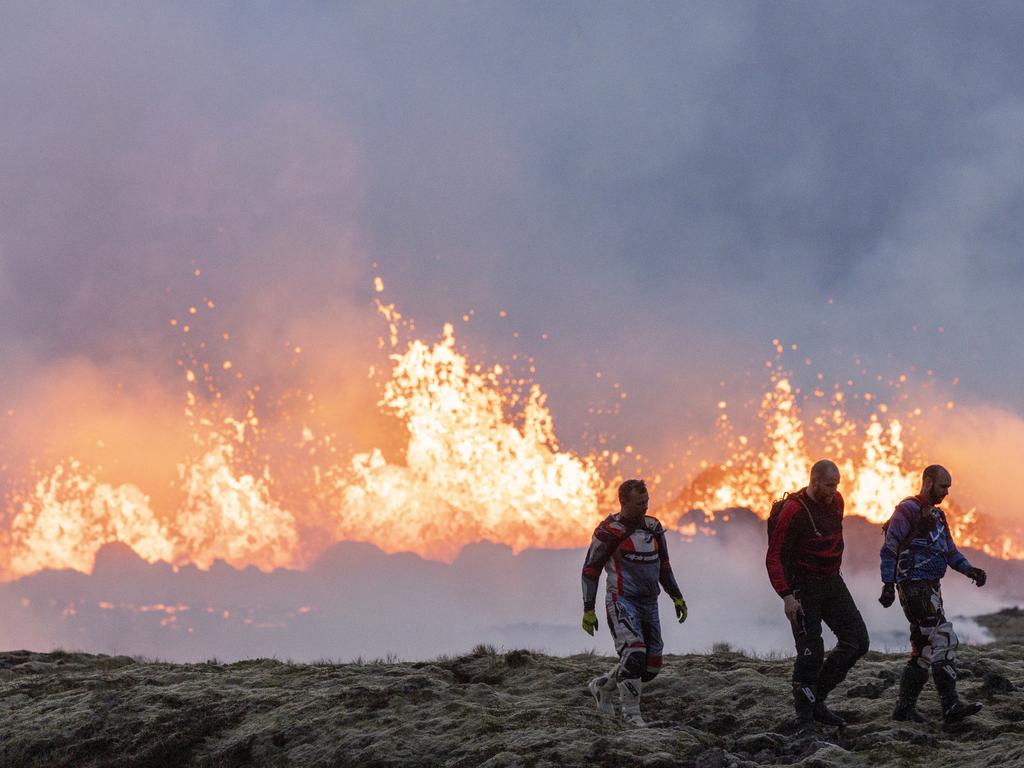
481,461
876,466
470,472
871,464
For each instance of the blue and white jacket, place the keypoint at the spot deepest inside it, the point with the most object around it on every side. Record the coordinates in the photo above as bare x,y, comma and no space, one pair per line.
918,544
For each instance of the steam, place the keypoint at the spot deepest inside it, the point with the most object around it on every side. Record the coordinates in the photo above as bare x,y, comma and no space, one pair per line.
357,601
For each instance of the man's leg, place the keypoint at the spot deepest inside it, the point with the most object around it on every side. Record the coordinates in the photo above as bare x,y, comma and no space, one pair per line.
941,652
840,613
810,652
625,620
651,629
915,601
603,687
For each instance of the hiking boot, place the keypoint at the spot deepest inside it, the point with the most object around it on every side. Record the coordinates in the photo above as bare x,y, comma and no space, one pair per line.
826,716
601,689
629,701
906,712
953,709
911,682
960,710
804,700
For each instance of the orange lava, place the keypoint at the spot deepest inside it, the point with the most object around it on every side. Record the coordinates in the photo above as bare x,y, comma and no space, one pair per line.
481,461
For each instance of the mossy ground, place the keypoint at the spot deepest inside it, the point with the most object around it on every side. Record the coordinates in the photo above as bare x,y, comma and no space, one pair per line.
516,708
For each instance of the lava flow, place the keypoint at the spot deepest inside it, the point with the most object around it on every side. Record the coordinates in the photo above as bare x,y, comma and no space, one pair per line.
876,464
481,461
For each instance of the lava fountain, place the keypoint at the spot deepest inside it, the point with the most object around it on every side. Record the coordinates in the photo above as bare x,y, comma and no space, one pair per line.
481,461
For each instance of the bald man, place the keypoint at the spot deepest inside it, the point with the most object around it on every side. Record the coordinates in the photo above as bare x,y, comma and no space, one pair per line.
918,548
805,550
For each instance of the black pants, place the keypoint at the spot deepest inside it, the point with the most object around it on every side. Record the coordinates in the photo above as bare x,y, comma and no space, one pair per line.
826,600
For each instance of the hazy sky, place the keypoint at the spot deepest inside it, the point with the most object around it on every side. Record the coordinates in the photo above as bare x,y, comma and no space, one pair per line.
661,188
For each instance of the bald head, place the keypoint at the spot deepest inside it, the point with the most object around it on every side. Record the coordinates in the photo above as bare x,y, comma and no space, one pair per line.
935,483
824,481
824,468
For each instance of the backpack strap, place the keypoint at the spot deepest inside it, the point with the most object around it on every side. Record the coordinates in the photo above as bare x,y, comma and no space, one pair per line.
914,528
799,497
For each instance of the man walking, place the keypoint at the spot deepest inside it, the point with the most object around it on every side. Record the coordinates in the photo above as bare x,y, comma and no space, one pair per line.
918,547
805,550
630,547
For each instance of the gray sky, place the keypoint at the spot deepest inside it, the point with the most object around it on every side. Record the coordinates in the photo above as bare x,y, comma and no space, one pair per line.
662,189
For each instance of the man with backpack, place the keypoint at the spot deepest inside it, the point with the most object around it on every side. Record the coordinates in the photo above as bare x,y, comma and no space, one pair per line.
917,549
805,550
630,547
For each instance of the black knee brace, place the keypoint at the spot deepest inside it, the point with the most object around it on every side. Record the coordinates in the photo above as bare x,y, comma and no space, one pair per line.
633,665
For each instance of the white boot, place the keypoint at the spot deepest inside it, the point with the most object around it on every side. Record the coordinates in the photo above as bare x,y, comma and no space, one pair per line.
629,700
601,688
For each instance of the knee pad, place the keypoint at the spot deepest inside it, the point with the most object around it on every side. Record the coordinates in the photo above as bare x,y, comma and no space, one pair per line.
631,665
942,645
652,666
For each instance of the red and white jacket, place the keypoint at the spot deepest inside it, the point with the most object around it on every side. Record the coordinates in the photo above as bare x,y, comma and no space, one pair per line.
634,557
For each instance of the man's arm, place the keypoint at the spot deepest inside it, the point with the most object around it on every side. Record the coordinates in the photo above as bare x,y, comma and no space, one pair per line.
899,528
666,578
777,546
956,559
605,541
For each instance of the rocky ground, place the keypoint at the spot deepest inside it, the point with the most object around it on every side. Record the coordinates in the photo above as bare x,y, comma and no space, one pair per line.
487,708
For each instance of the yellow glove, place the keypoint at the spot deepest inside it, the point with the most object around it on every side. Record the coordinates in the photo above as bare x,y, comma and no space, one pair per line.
681,611
589,622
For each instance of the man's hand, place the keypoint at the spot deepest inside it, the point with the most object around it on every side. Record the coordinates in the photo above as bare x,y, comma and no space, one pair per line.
888,596
681,611
978,576
793,608
589,622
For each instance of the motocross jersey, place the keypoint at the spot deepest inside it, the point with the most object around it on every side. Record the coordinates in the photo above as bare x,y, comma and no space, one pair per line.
634,557
918,544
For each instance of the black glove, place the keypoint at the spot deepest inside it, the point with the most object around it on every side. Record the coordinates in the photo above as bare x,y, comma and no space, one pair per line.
888,596
978,576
